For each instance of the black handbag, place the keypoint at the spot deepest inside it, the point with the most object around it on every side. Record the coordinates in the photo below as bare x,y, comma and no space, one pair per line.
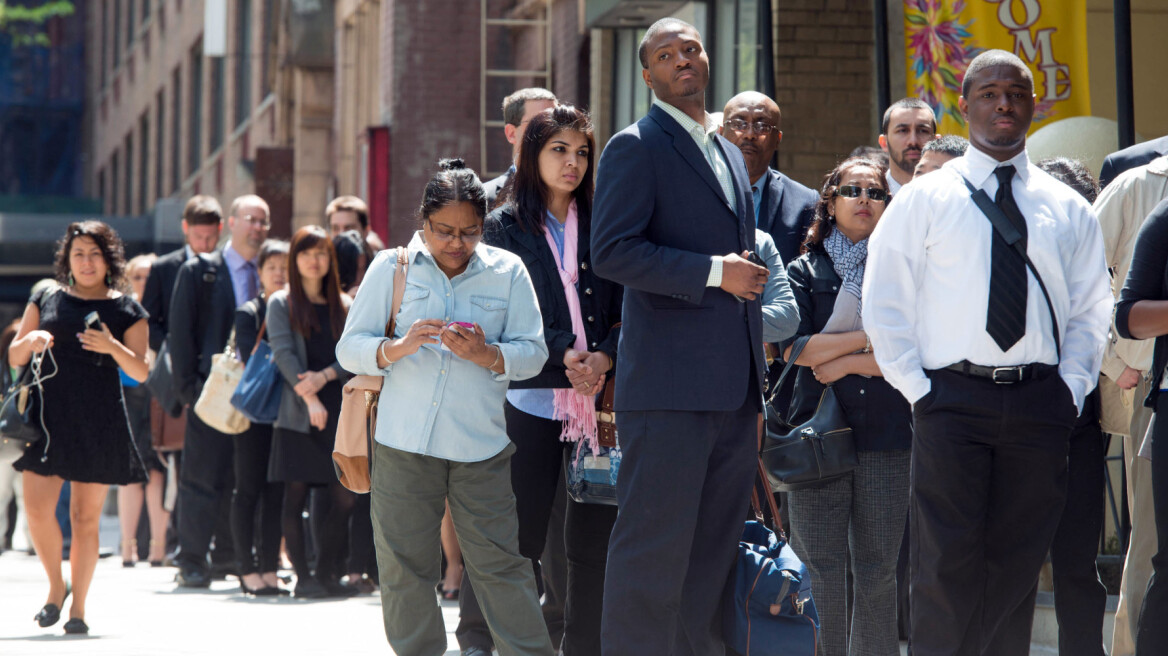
22,423
816,451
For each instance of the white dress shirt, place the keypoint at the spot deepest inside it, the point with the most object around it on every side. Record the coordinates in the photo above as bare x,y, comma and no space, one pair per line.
926,287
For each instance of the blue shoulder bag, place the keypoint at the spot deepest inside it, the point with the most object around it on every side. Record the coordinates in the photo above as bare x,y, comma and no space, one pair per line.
258,395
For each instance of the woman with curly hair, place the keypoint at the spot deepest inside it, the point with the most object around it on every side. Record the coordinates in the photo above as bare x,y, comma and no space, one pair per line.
88,440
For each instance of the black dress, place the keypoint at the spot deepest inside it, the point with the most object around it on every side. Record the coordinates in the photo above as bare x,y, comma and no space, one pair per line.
308,458
89,431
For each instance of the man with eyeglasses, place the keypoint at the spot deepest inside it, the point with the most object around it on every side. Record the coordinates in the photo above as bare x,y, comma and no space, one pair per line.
206,292
960,326
783,208
518,108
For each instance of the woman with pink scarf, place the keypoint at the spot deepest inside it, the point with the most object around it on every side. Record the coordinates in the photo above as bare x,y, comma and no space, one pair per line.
545,220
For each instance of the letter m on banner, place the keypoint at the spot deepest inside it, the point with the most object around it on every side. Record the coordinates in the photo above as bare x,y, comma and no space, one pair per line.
943,36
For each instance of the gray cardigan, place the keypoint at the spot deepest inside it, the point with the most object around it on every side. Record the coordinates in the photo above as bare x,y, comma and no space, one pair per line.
291,355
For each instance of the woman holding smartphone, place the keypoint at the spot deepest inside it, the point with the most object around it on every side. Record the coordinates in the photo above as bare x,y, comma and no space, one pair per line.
92,329
304,322
441,430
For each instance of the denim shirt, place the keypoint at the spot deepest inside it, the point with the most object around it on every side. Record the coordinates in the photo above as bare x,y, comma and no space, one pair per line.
433,402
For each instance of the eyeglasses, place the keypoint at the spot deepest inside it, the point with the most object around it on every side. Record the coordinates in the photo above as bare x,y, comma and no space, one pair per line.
875,194
468,238
739,125
257,221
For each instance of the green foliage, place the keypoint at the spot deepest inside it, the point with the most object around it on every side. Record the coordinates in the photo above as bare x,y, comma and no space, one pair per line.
25,25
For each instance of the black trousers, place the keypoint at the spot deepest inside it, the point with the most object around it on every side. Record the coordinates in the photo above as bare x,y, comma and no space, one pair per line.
989,469
1080,598
535,472
253,496
683,491
1152,637
204,490
587,528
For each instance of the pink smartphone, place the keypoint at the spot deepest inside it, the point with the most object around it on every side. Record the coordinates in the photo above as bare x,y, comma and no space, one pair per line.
461,324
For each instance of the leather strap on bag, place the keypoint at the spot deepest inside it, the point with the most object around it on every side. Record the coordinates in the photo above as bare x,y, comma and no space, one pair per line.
796,349
399,288
1010,234
606,416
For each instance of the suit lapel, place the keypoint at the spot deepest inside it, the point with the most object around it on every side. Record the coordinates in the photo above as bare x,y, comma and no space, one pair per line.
536,244
685,146
772,198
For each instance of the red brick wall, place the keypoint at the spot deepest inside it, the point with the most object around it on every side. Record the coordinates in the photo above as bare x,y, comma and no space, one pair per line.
825,71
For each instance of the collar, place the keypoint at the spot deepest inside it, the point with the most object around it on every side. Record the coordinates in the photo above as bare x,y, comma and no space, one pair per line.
979,166
1159,166
698,131
572,214
757,186
188,252
233,258
481,258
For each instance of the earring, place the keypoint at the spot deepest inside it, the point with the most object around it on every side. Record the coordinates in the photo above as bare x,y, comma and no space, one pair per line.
70,280
109,280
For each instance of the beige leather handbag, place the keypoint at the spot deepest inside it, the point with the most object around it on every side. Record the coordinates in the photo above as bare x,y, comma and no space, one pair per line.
214,405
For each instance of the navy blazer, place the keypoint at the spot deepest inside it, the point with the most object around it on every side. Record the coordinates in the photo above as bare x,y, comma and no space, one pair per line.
202,312
786,211
600,299
1129,158
659,216
159,289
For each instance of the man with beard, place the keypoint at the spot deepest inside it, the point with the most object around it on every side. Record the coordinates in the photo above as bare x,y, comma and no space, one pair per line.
907,126
783,208
674,222
961,326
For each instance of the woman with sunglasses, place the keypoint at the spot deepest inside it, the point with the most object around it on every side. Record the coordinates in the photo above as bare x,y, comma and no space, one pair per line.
469,324
860,515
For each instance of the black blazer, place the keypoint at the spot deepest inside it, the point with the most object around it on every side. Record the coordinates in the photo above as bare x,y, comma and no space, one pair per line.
600,299
202,312
159,290
786,211
1147,280
880,418
248,319
1131,157
492,188
660,215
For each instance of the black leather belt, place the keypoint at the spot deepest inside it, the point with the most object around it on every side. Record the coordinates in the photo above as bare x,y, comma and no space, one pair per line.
1004,375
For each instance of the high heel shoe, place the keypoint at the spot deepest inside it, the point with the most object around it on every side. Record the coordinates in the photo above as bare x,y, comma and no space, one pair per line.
50,614
265,591
76,626
133,559
153,562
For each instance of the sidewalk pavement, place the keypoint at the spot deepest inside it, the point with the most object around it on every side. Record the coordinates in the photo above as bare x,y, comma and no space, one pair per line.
140,612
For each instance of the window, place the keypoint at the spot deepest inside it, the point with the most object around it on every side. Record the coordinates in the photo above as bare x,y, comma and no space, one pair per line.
159,130
104,13
101,191
217,102
143,160
113,188
128,152
146,9
131,25
117,32
266,53
176,129
242,61
195,127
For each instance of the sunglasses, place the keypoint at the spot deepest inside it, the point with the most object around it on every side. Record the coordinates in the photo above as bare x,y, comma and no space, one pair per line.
875,194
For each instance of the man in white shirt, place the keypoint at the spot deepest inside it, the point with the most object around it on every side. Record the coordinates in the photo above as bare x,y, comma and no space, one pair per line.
961,327
1122,208
908,125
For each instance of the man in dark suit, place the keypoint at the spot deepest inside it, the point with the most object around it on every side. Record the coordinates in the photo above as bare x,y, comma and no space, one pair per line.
783,208
1131,157
207,290
518,108
202,221
673,224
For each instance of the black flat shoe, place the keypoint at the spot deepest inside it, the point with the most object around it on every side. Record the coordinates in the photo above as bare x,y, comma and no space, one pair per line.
76,626
50,614
265,591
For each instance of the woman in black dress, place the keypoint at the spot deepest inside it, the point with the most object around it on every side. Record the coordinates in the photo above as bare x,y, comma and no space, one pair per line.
304,323
258,559
89,442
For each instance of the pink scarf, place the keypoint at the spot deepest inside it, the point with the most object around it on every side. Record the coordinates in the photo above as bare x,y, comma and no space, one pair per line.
577,411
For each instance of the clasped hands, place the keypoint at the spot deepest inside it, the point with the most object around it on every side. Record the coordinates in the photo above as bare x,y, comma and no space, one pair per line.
587,370
310,383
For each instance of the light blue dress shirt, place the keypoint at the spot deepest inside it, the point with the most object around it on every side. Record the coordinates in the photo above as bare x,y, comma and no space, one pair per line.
434,403
540,402
239,271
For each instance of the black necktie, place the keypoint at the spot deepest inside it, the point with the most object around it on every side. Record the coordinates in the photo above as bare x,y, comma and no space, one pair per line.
1006,314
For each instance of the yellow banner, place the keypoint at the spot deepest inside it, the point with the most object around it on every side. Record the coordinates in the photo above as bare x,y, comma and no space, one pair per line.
943,36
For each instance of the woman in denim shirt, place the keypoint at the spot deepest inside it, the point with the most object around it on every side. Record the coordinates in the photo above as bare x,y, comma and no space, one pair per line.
441,435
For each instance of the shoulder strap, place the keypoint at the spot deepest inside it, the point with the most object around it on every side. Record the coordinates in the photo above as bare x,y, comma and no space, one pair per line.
399,288
1010,234
796,349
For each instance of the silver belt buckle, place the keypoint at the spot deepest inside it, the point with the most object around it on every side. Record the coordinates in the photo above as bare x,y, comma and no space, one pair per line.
999,373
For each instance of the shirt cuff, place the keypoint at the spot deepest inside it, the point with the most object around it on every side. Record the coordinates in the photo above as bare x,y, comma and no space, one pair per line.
715,278
387,369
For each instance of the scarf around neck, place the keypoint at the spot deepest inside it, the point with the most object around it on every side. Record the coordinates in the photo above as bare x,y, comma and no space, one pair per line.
848,259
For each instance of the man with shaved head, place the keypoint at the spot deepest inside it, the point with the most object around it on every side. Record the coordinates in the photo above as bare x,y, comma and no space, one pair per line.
960,325
783,208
